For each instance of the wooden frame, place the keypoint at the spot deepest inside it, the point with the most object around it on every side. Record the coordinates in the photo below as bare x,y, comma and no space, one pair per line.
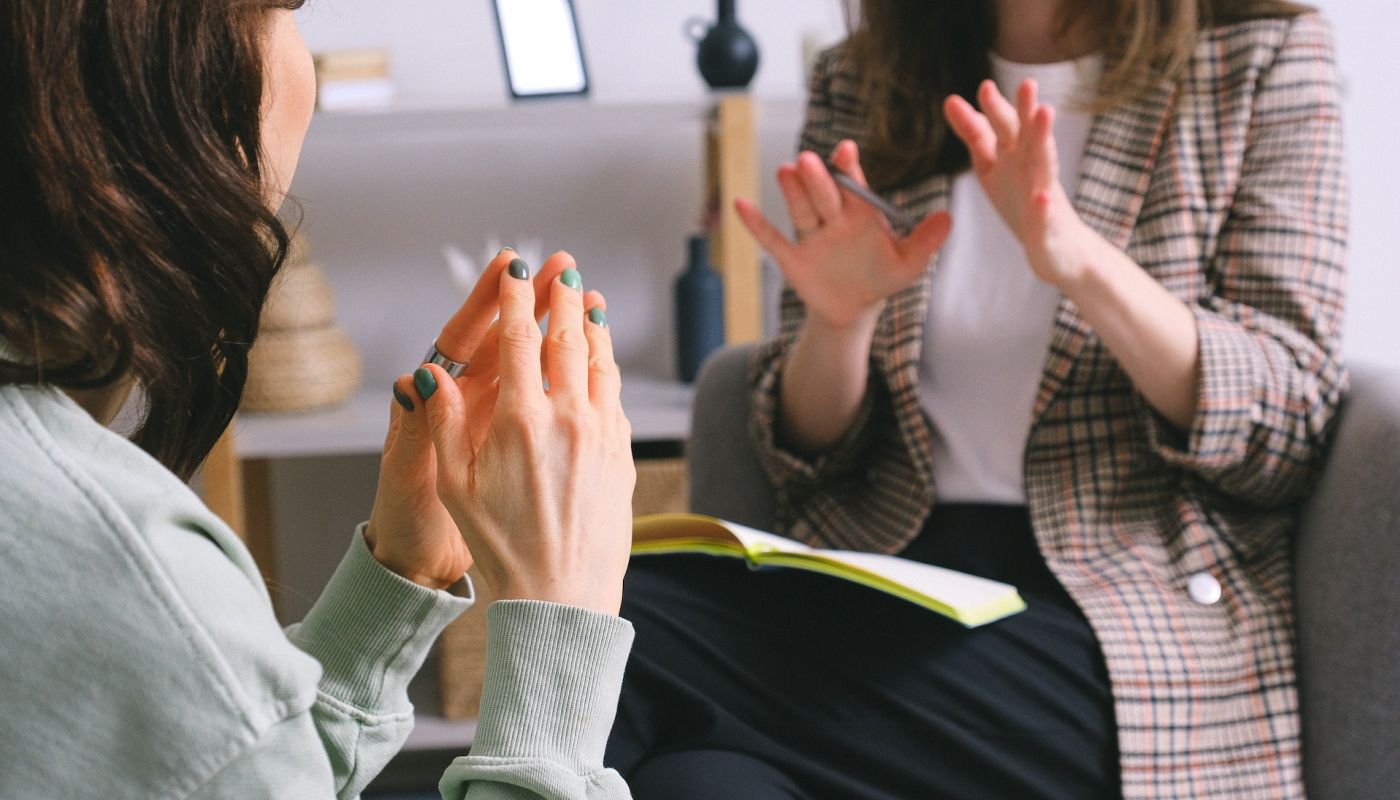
731,172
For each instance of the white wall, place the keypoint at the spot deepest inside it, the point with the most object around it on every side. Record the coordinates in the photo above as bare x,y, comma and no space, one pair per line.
1366,34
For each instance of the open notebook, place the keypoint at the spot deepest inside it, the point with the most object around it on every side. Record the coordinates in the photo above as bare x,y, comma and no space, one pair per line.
963,598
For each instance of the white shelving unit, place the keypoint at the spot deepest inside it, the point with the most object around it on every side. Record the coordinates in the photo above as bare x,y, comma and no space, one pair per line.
658,410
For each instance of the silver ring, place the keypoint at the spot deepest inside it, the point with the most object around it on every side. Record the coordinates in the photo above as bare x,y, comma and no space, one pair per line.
803,234
452,368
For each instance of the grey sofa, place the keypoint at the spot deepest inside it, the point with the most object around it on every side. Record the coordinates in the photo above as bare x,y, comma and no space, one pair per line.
1347,565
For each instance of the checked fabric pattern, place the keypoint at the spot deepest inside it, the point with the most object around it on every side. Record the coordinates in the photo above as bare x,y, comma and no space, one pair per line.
1228,186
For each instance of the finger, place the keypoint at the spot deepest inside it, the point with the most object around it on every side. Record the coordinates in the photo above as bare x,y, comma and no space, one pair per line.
922,242
488,354
410,444
604,377
462,334
566,349
549,272
1047,160
445,413
846,157
999,113
520,343
974,130
487,358
1026,96
816,179
799,203
768,236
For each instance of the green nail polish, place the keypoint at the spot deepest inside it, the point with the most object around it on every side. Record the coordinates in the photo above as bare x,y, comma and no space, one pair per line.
597,317
571,279
403,399
424,381
518,269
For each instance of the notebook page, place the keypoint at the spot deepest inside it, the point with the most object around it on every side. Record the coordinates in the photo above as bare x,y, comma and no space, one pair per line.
948,586
756,541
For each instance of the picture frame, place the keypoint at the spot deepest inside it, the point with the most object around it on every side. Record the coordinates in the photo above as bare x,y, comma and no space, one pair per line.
541,48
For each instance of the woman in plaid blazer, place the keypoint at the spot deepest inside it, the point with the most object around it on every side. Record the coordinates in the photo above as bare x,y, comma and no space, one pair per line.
1188,391
1176,414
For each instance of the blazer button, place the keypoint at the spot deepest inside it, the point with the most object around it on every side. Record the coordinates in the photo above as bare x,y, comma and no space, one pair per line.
1203,588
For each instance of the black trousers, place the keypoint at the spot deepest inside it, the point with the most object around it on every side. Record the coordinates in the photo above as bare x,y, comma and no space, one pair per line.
786,684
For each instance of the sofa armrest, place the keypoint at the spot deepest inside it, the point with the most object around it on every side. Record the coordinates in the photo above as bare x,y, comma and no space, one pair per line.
1347,565
726,479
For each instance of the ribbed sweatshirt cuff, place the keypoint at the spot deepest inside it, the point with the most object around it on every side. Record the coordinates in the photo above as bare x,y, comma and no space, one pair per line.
371,629
553,677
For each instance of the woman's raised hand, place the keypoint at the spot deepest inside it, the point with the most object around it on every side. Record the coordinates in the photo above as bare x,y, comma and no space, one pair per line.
844,260
539,480
1014,157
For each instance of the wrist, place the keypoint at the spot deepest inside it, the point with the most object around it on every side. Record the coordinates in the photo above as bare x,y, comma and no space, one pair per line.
401,566
1078,263
854,334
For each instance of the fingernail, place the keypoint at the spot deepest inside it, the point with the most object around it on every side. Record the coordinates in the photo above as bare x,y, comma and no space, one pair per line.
571,279
597,317
518,269
403,399
424,382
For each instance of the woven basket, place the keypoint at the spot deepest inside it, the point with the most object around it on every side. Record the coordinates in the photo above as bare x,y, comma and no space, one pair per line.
300,298
304,368
661,487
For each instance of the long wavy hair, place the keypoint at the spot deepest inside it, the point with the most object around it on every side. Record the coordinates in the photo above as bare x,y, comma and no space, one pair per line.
910,54
135,240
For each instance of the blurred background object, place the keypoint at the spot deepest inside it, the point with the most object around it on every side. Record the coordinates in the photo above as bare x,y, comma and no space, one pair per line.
353,80
302,358
727,55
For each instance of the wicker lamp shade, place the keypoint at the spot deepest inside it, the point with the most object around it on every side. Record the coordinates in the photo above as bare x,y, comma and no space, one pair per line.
301,359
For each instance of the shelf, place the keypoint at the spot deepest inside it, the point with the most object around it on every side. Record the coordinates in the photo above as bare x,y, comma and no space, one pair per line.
658,410
543,117
437,733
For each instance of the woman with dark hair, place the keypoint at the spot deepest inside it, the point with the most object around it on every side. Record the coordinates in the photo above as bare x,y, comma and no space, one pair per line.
1111,384
144,150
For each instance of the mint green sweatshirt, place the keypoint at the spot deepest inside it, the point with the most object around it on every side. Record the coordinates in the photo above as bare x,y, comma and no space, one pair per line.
139,655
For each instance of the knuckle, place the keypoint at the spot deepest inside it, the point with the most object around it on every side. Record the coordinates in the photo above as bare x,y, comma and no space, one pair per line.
603,366
520,333
517,417
567,339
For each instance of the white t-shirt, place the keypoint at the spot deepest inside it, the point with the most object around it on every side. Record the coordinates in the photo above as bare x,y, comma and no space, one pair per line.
990,319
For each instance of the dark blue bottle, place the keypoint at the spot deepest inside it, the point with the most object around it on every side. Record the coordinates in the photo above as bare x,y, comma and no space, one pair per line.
699,310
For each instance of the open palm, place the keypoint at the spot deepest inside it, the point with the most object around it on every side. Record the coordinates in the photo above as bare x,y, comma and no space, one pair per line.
1014,158
844,259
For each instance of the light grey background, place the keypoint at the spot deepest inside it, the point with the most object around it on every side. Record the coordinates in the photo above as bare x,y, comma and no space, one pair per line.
616,179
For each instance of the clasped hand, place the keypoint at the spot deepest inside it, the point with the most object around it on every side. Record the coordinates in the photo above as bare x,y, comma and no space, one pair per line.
533,483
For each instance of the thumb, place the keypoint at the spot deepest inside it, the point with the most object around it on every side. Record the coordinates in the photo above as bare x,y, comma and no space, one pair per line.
922,242
409,441
445,412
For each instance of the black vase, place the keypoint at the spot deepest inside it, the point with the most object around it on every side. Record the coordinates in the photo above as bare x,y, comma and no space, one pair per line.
728,55
699,311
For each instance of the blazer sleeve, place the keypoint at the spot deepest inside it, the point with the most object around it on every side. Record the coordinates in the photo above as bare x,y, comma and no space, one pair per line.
1271,379
787,470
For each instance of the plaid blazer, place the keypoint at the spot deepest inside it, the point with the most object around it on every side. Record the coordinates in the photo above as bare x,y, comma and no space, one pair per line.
1228,186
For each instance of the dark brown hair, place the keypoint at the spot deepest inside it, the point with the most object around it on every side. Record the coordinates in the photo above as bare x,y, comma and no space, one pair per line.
135,240
910,54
